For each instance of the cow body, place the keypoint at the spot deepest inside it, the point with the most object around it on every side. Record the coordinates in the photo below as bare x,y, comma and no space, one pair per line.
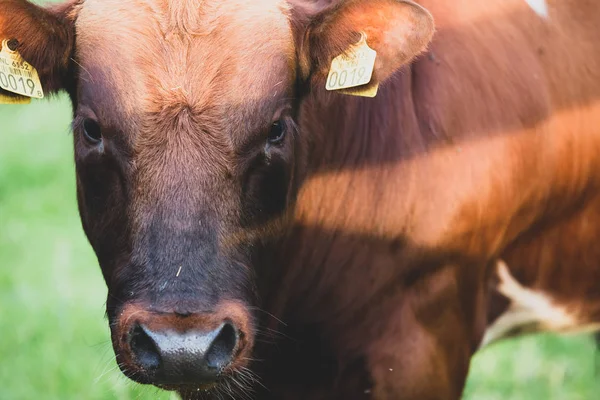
375,274
485,149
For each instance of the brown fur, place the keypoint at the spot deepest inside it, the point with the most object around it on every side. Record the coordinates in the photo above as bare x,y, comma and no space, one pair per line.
379,258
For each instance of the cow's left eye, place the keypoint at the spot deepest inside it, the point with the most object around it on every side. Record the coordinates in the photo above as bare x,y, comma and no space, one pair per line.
277,132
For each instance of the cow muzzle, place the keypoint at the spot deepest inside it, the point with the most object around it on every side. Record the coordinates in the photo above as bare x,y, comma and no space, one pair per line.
173,350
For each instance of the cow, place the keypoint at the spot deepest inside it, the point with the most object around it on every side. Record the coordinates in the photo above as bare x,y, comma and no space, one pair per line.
263,236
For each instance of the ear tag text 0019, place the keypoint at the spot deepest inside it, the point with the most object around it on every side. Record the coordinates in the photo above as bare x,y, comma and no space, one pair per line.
19,77
353,68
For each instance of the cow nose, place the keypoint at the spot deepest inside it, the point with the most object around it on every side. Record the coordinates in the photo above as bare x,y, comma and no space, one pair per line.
191,357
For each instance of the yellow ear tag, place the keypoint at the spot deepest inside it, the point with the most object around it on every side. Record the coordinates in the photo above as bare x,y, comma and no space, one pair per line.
15,99
353,68
18,76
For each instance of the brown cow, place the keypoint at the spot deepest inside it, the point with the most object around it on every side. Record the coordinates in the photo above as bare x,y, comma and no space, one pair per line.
257,232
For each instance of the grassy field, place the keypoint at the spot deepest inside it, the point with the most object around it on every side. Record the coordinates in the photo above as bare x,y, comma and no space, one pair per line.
53,335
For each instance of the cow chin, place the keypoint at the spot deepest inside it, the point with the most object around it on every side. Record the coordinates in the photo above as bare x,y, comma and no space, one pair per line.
186,352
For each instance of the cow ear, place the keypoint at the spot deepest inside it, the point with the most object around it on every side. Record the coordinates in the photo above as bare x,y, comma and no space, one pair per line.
44,37
398,30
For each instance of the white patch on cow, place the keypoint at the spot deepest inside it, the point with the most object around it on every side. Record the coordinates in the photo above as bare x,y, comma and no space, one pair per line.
539,6
529,309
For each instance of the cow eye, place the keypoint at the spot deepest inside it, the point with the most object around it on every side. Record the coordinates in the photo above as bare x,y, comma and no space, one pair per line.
277,132
92,131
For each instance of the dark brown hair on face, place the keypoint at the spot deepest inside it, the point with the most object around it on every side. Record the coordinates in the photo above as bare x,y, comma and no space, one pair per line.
196,150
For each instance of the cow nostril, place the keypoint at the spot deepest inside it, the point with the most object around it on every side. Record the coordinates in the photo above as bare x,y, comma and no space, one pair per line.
144,349
220,353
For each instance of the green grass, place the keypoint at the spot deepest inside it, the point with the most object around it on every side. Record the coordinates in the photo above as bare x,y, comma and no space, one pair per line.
54,341
537,367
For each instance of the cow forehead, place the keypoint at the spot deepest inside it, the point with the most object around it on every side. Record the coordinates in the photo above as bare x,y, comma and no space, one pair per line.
145,55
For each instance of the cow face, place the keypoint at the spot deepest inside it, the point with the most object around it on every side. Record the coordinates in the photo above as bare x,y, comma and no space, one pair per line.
188,153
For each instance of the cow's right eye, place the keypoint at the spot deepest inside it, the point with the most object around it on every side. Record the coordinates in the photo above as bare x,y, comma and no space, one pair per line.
92,131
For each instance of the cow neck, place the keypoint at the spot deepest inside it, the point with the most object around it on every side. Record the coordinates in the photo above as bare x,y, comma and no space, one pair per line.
350,133
356,145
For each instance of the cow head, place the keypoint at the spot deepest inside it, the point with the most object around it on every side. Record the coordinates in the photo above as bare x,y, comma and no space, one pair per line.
189,152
